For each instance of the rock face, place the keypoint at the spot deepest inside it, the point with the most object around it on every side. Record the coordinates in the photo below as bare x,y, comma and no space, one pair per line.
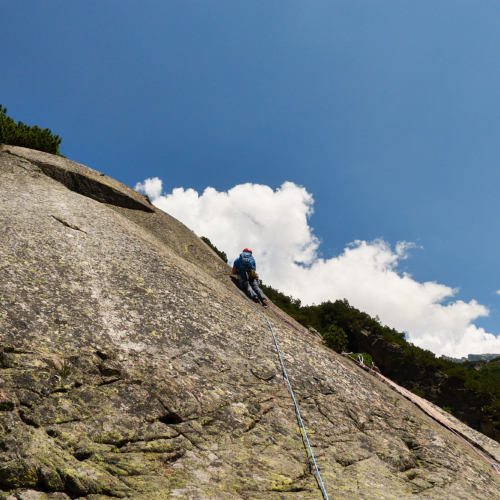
130,368
437,387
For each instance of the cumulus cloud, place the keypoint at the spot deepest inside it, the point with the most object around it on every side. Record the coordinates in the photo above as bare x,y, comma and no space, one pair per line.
275,224
151,187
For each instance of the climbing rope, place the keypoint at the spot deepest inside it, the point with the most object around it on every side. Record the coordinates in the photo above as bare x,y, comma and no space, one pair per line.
361,363
297,411
294,326
428,409
277,313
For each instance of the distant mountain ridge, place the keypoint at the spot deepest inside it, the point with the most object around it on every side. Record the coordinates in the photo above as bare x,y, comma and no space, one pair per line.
472,357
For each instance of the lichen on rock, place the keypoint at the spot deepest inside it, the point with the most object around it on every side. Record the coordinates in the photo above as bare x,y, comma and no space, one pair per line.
129,369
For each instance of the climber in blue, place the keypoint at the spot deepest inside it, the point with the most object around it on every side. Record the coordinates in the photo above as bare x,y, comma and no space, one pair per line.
244,266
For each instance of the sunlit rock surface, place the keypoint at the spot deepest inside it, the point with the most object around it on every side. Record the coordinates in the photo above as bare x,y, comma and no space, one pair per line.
131,369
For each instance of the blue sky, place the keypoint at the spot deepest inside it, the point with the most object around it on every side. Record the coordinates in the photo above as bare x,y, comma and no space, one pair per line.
386,112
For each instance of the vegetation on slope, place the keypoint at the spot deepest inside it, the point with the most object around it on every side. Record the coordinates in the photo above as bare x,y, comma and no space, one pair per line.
419,370
19,134
220,253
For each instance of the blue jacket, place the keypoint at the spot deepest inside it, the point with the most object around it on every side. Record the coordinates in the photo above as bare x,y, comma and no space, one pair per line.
237,265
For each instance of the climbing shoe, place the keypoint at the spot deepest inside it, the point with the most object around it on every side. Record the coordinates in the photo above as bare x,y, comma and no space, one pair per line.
255,299
264,303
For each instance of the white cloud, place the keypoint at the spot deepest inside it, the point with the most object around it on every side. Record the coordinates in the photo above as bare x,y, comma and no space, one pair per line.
275,225
152,187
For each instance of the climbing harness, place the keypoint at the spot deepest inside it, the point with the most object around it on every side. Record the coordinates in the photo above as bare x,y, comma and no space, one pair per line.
297,411
427,408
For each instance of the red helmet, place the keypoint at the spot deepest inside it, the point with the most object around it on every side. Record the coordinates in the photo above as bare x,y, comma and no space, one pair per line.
247,250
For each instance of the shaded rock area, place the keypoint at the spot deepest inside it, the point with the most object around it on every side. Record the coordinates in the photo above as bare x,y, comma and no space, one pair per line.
82,179
131,369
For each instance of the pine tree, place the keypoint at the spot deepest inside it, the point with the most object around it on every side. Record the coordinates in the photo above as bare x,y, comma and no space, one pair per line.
26,136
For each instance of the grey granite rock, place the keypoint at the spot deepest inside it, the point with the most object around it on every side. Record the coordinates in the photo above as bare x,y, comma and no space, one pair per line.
130,369
82,179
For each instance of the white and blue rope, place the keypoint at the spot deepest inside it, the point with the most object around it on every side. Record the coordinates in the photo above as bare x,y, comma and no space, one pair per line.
297,411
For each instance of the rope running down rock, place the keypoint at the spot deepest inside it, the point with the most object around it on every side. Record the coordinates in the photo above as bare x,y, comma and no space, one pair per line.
296,327
279,314
297,411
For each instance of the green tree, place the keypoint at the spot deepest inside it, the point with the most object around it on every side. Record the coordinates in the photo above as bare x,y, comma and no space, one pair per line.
220,253
19,134
3,125
335,338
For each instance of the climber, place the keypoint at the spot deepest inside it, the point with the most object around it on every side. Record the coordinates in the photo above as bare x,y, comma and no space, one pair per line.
244,266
